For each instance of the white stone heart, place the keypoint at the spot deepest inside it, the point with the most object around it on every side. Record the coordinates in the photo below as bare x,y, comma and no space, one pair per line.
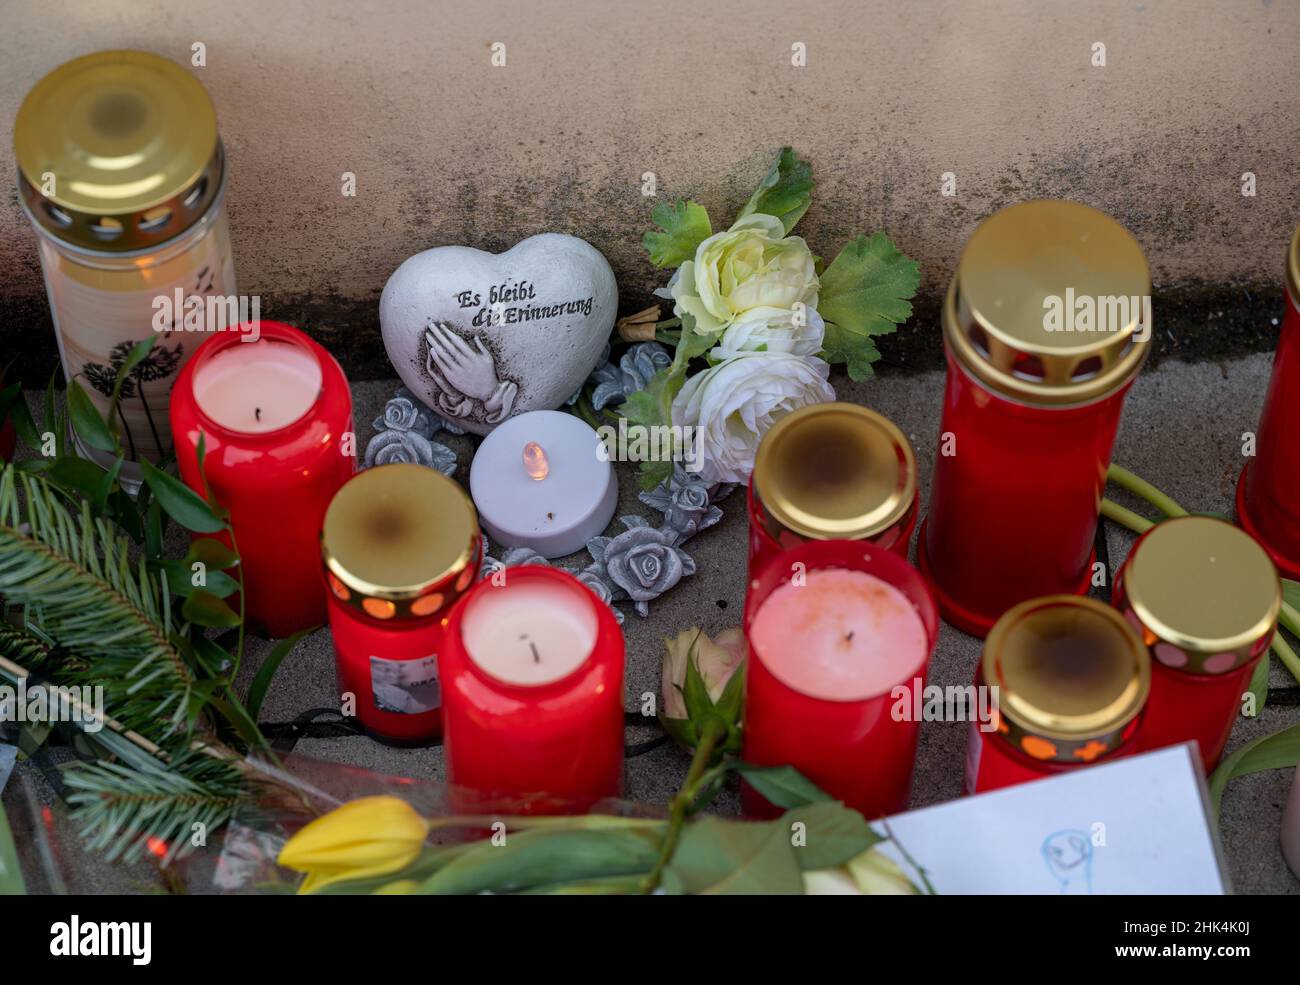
481,337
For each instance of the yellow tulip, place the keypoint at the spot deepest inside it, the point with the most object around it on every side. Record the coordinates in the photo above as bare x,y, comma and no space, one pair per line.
371,836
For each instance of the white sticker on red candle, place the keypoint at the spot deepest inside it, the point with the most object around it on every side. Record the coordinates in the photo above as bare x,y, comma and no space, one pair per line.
406,687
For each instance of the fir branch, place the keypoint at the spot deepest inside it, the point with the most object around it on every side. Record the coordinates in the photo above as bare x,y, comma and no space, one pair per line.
74,576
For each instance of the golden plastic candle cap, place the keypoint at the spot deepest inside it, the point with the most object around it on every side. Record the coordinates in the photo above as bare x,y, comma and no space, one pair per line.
117,151
1207,589
1049,304
400,540
1069,669
835,471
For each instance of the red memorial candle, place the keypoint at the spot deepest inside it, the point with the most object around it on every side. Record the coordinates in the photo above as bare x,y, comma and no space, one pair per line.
1045,326
832,471
1268,495
275,414
532,673
400,544
834,627
1072,677
1205,597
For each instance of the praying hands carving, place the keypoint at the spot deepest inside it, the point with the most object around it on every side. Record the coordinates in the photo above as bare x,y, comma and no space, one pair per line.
466,376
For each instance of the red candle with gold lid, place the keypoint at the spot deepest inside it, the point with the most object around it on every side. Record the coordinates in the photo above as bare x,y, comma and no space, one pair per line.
1205,597
1044,329
832,471
275,414
400,544
1072,677
1268,494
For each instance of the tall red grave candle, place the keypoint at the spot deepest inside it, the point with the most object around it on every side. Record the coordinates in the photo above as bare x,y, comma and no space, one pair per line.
275,414
1205,597
1268,495
832,471
1072,677
834,627
400,544
1044,329
532,673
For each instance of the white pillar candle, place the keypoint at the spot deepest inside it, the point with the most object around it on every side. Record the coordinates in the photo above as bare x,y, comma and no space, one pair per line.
529,633
257,387
541,480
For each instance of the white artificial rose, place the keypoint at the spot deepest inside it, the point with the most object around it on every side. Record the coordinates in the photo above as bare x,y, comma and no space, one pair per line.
799,331
751,265
735,402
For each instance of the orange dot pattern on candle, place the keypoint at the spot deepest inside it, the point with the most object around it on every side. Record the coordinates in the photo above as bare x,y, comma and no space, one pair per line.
535,463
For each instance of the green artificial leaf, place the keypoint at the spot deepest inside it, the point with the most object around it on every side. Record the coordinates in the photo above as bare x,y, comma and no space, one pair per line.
699,706
865,292
212,552
1291,593
266,673
24,426
79,476
11,874
718,857
651,405
680,730
832,834
547,857
783,786
87,421
180,575
1271,752
180,502
685,226
651,475
730,707
206,609
785,191
1259,684
107,480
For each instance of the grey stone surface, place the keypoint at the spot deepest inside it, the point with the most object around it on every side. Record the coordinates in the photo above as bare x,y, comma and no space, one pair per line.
1182,429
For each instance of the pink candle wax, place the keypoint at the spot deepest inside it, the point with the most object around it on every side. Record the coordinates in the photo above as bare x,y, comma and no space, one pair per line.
840,636
829,644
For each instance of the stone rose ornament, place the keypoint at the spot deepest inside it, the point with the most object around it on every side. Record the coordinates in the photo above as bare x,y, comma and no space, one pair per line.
481,337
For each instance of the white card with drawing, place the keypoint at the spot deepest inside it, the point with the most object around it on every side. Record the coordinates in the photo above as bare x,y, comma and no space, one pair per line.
1139,825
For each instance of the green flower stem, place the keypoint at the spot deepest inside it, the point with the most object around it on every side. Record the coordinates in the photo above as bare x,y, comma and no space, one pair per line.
713,733
1125,517
1290,618
1287,655
520,822
1138,486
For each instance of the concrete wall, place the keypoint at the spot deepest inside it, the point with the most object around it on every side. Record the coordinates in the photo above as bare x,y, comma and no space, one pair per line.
448,149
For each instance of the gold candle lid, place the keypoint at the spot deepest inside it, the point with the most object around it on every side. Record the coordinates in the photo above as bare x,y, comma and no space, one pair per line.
1293,267
835,471
1021,258
400,540
117,151
1072,675
1204,593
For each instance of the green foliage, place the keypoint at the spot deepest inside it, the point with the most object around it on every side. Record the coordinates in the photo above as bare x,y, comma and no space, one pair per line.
865,292
1271,752
685,226
11,874
785,191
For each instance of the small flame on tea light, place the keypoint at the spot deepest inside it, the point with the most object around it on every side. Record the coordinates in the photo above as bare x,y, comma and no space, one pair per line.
535,463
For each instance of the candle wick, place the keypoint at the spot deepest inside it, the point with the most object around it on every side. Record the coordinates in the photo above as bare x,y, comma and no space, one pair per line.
257,413
848,637
537,657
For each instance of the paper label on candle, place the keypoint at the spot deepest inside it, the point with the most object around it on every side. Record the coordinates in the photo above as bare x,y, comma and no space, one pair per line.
406,687
100,316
